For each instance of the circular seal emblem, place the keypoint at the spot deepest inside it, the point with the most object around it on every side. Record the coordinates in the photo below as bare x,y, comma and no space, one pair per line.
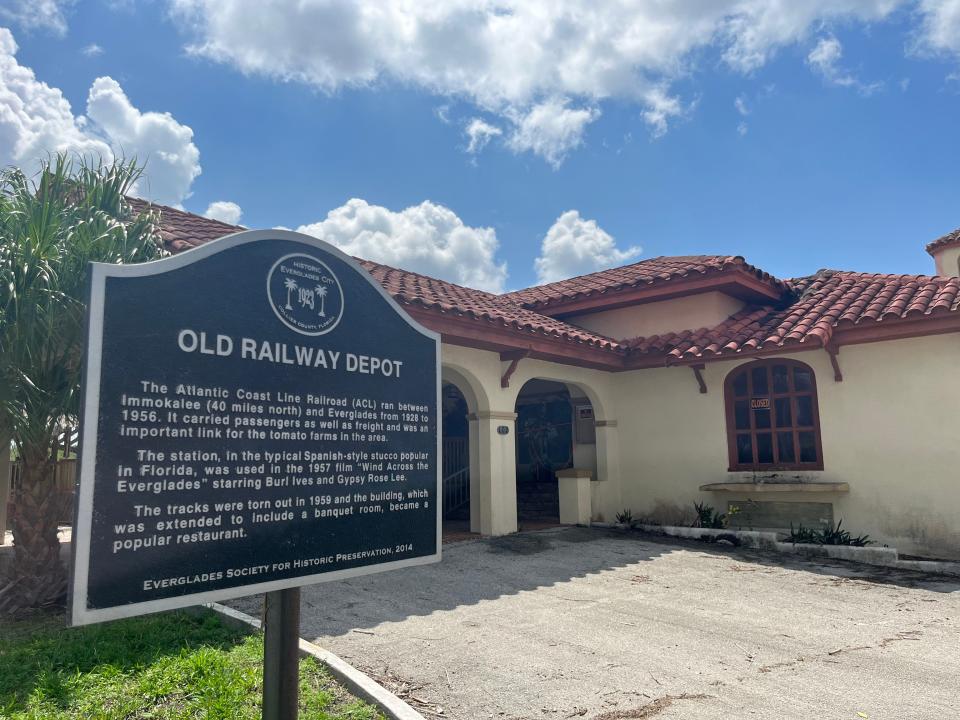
305,294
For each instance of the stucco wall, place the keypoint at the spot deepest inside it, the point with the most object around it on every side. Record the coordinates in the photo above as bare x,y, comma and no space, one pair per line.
684,313
948,261
890,430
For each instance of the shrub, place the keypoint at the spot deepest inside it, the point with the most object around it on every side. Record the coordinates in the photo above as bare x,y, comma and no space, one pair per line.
830,536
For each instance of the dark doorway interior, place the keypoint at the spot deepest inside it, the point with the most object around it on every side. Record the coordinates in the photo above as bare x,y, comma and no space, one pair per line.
456,457
544,445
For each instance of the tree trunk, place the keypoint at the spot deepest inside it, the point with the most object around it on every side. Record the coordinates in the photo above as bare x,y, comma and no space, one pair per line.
36,576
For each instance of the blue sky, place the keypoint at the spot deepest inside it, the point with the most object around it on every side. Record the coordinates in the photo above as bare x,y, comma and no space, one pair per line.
843,152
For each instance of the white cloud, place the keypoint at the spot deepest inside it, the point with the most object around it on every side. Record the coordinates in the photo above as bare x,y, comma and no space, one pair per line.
92,50
825,58
36,14
36,120
157,139
741,105
940,27
480,133
574,246
426,238
661,107
519,59
551,129
224,211
742,129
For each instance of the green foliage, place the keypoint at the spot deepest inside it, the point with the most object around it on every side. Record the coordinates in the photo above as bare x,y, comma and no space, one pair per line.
830,536
625,517
51,228
707,517
164,667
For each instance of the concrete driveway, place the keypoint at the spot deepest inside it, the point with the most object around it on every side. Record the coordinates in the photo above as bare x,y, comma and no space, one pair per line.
607,625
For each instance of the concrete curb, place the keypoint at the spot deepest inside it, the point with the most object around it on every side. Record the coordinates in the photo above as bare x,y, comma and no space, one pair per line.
360,684
877,556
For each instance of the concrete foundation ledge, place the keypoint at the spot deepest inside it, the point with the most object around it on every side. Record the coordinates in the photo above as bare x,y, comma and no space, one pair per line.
878,556
360,684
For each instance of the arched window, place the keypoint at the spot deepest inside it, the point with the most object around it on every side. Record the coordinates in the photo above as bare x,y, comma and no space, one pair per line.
772,418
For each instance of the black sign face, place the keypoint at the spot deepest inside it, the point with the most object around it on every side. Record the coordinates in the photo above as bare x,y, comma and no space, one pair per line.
258,414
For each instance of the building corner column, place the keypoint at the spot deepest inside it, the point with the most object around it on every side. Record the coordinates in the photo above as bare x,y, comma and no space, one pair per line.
494,486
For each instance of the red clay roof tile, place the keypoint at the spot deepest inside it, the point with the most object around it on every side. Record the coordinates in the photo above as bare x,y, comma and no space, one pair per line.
645,272
829,300
813,307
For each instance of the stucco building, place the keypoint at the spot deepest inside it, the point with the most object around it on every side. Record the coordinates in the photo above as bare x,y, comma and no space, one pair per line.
677,380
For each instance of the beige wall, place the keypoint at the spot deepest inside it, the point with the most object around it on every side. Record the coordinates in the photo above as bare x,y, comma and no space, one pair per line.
948,261
685,313
889,430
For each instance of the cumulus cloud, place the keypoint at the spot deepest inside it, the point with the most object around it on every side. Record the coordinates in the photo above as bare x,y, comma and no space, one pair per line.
574,246
825,58
426,238
92,50
480,133
36,120
35,14
165,145
551,129
522,60
224,211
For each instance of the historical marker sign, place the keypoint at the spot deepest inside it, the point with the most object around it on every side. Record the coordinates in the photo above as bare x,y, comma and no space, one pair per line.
259,414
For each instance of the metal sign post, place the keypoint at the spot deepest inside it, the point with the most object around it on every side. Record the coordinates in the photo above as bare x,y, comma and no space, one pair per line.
281,661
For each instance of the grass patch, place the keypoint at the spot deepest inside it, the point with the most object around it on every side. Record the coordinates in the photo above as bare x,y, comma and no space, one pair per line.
170,666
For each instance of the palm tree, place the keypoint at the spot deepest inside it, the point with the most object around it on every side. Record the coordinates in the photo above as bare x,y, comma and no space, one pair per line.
321,291
290,284
51,228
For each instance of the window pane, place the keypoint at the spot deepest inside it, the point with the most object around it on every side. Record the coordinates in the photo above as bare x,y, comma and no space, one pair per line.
804,411
744,450
808,447
764,448
740,384
759,377
761,418
802,381
741,411
785,447
783,412
780,384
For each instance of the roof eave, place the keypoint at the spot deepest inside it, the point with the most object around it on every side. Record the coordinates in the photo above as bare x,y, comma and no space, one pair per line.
736,282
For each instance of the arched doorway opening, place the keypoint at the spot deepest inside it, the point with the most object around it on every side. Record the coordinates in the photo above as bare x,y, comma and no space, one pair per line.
555,431
455,459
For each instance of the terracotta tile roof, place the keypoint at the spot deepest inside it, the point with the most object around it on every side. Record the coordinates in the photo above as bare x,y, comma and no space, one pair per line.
945,241
182,230
828,301
645,272
812,309
409,288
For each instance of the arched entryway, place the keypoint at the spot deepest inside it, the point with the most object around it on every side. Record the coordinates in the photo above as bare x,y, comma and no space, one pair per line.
555,431
455,449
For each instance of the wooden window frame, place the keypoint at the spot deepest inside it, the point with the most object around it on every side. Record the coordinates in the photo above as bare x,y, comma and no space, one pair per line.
732,431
